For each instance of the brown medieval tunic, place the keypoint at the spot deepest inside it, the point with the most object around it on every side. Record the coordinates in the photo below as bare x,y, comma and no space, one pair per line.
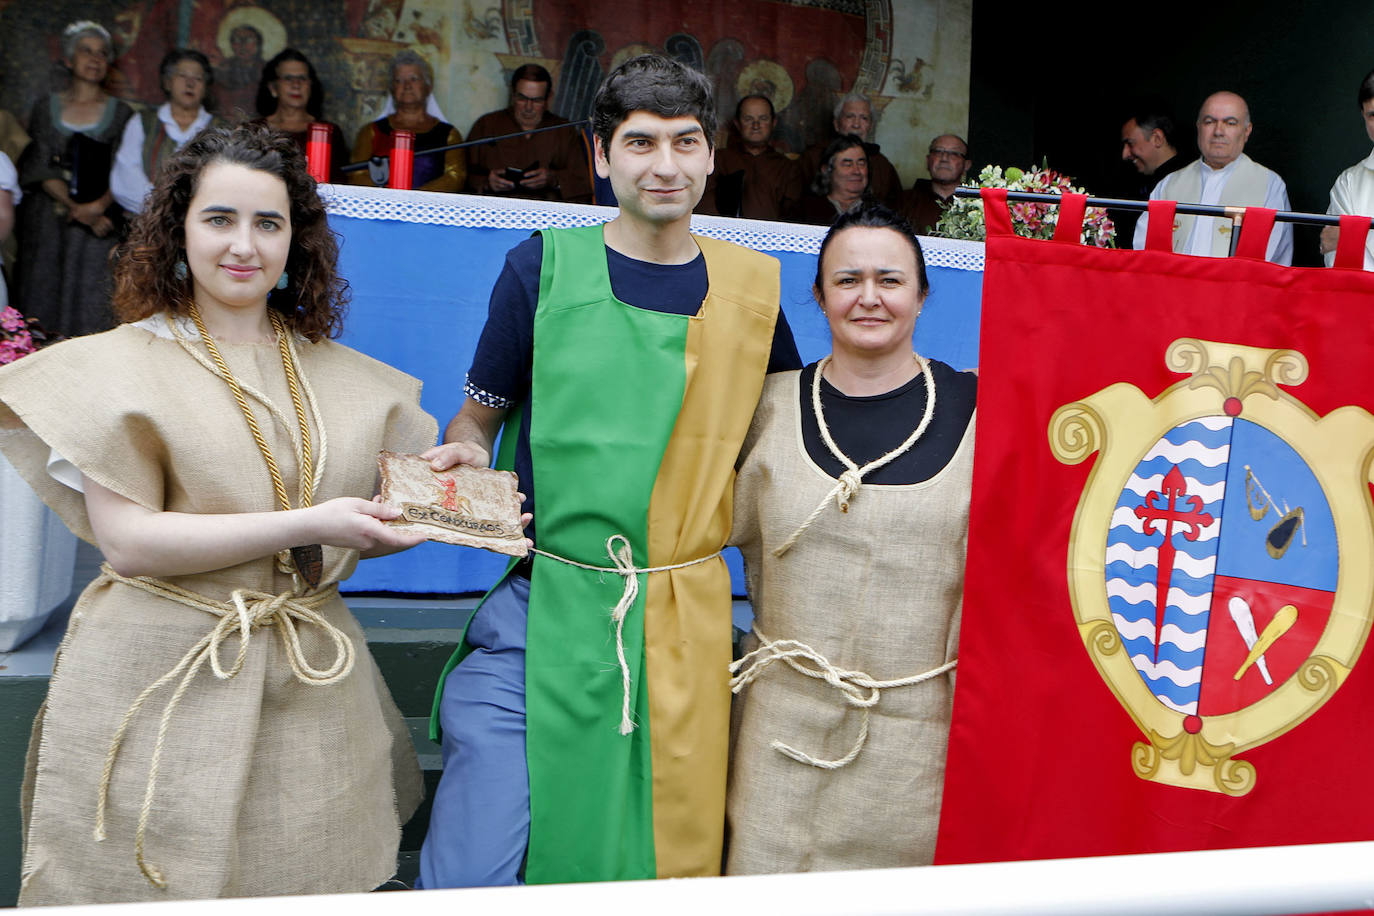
877,589
771,184
562,152
267,785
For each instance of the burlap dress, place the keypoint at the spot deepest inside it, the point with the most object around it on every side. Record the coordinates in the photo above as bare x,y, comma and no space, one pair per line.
267,785
877,589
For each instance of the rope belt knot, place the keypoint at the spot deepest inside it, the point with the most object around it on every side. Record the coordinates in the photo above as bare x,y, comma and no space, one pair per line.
622,564
245,611
858,689
848,486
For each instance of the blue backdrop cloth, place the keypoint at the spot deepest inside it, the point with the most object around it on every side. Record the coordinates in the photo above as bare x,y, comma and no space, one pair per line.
421,267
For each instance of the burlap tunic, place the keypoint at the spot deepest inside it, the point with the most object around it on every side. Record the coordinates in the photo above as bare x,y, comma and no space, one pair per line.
877,589
267,785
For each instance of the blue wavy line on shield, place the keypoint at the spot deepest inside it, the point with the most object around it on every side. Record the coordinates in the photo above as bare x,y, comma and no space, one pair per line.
1124,572
1129,498
1145,610
1126,533
1181,696
1193,431
1185,659
1188,467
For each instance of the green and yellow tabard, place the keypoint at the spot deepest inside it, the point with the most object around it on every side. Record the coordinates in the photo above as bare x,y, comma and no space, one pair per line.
637,418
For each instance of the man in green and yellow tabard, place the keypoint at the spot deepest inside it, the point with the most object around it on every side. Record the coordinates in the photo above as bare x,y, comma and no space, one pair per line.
625,362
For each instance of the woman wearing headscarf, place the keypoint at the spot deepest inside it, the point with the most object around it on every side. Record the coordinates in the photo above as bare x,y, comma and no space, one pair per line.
412,81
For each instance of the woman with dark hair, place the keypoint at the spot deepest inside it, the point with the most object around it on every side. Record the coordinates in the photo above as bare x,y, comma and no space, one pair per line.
412,81
291,98
69,220
840,186
851,510
154,135
1353,191
221,451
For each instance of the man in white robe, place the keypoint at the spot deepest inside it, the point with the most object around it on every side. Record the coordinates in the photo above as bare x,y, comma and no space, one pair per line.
1223,176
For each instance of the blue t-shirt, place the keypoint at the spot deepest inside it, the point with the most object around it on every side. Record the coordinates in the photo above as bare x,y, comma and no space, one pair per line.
502,366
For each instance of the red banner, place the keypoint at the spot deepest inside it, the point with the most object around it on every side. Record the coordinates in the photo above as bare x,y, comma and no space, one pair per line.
1169,586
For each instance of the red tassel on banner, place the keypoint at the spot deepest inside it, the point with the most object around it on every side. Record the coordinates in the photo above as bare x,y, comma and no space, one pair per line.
317,152
402,159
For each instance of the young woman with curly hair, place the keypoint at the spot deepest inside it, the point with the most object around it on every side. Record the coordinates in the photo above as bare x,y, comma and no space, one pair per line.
214,726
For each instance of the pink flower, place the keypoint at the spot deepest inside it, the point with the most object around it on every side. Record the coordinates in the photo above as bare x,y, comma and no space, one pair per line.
11,320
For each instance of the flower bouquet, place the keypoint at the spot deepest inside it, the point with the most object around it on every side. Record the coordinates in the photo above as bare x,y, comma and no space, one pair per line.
19,336
963,218
37,552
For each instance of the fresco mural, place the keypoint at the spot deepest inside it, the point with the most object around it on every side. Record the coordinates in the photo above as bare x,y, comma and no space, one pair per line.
910,56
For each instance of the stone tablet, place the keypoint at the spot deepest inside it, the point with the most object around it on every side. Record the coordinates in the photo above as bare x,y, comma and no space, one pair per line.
473,507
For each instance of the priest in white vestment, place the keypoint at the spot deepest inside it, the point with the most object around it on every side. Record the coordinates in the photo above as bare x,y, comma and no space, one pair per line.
1226,177
1353,192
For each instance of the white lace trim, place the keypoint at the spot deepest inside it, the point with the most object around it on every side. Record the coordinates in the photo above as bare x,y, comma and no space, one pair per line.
475,212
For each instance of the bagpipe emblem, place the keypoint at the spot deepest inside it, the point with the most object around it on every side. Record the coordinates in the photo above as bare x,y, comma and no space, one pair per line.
1219,561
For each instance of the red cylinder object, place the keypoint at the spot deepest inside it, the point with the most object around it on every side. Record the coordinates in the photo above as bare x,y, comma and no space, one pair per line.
402,159
317,152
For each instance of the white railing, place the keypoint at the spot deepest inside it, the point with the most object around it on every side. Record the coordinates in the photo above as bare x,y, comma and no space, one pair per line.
1270,880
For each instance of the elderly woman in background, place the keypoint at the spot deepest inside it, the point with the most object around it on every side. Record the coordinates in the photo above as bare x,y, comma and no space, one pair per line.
412,80
68,222
153,136
839,187
1353,192
291,98
851,510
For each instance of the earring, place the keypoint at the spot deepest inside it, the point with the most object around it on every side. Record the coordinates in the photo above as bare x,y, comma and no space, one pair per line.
283,281
179,270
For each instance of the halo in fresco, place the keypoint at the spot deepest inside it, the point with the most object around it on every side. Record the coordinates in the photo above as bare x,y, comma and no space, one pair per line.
766,77
269,27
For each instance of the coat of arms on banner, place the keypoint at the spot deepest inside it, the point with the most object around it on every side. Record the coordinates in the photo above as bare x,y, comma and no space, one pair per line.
1219,563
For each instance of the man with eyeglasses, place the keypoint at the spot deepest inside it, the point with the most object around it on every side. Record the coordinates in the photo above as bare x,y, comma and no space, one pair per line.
948,163
752,179
551,165
1224,176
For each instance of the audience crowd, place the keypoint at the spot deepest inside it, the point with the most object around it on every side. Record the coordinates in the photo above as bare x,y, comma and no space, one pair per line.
84,160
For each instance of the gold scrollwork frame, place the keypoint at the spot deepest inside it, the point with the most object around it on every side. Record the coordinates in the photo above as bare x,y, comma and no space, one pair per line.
1121,424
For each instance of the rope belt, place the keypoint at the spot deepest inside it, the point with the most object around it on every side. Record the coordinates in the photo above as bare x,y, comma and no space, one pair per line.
857,688
245,611
622,559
